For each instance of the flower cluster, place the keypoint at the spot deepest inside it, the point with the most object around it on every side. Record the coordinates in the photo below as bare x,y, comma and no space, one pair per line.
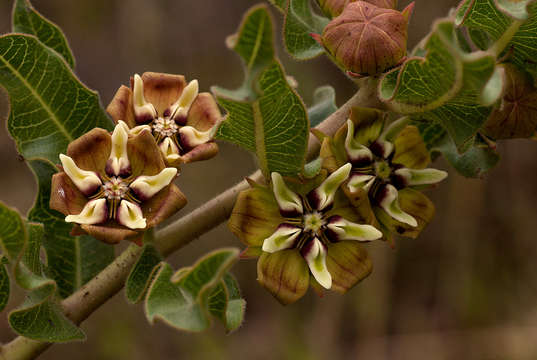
114,186
389,165
183,121
300,229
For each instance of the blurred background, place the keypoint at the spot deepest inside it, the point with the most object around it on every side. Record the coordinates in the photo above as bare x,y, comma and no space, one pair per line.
466,289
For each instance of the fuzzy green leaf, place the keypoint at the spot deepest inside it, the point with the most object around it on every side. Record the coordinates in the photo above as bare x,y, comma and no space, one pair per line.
182,299
72,261
28,21
324,105
4,285
50,107
451,88
265,114
142,273
226,304
12,232
300,22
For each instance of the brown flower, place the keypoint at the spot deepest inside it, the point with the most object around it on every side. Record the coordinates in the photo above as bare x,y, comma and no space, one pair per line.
115,186
182,121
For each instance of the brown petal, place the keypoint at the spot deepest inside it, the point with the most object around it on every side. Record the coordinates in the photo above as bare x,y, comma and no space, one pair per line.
284,274
410,149
144,155
204,113
91,150
121,107
348,263
110,232
164,204
199,153
65,196
162,90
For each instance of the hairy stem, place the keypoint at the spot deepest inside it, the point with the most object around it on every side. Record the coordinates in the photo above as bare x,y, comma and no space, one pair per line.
81,304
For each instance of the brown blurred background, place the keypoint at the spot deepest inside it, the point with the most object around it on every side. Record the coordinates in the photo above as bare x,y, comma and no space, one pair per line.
466,289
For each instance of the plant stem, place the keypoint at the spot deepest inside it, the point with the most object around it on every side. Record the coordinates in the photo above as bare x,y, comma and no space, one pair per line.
109,282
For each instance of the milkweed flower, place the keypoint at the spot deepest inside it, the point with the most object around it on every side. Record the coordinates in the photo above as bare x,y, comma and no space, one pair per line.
389,167
115,186
182,120
301,231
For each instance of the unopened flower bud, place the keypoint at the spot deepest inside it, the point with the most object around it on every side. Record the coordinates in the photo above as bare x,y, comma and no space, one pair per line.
366,39
335,7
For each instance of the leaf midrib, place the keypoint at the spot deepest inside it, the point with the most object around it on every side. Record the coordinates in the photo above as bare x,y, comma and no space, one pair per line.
258,42
53,116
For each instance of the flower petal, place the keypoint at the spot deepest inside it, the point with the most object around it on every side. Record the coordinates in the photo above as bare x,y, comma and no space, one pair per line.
283,238
323,196
389,202
88,182
204,112
95,212
289,203
179,110
144,155
146,186
118,163
65,196
144,111
410,149
121,107
92,150
130,215
162,90
360,181
169,150
200,152
255,216
348,263
314,253
343,229
138,129
284,274
357,153
190,137
413,177
111,232
162,205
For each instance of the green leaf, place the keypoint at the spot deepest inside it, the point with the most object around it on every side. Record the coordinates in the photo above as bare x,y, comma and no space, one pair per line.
449,87
72,261
182,299
28,21
4,285
300,21
279,4
12,232
142,273
226,304
39,317
50,107
324,105
265,114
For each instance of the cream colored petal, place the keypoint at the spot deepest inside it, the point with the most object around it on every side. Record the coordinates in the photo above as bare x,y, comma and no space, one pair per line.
289,203
283,238
180,109
143,110
315,255
357,153
323,196
169,150
94,212
130,215
118,162
138,129
86,181
347,230
359,181
390,203
191,137
421,177
146,186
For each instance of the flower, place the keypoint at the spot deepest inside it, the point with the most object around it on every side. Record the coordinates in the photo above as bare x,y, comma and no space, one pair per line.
310,229
115,186
366,39
385,175
182,121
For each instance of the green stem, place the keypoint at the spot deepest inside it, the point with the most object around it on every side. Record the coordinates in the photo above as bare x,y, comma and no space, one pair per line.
111,280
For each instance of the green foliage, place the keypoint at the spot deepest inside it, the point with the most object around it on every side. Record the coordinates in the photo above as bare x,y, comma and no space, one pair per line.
28,21
12,233
186,299
265,114
142,273
4,285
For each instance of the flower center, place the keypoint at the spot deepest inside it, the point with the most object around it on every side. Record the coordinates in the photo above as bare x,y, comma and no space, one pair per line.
383,169
313,222
165,127
115,188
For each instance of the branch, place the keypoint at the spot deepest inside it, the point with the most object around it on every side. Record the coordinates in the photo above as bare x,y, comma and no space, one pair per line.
81,304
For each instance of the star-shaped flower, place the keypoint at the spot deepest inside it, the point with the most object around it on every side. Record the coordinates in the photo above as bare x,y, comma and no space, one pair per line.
389,165
115,186
310,229
183,121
